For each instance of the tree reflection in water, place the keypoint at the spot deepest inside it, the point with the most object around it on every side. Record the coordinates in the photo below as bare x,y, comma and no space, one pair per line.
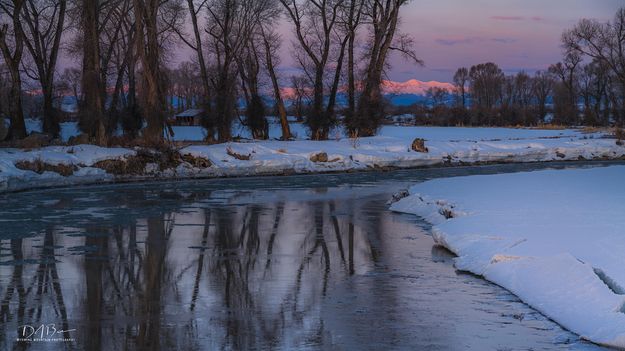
153,270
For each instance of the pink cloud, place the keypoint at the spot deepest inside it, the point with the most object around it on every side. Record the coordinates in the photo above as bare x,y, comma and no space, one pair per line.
507,18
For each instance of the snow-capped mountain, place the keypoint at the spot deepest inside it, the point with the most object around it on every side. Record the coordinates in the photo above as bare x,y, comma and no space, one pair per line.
413,87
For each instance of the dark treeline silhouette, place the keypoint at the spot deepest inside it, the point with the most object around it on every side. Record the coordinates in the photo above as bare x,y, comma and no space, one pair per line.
122,76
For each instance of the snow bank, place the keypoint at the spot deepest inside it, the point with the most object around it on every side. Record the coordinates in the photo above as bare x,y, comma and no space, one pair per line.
556,239
392,149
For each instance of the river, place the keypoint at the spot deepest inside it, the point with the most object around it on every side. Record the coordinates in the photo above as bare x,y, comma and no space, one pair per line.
299,262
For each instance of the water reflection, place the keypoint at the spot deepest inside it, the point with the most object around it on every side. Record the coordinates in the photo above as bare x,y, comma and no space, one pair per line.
223,275
194,267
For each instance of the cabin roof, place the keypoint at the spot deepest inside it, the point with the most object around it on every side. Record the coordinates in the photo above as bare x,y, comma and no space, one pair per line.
190,113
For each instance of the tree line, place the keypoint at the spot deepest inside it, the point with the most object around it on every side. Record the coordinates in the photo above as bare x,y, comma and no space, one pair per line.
122,50
587,87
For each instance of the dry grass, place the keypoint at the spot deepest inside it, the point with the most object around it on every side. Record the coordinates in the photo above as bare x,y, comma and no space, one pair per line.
320,157
238,156
198,162
551,127
38,166
165,159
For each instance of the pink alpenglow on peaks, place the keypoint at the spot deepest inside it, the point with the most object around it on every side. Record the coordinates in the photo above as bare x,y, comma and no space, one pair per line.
413,86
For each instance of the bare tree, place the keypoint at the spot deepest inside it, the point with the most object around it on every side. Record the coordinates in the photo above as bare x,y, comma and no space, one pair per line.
604,42
565,92
436,95
593,87
542,87
301,95
70,81
126,53
149,53
44,23
315,22
461,78
352,20
194,8
12,51
230,25
249,70
486,81
383,15
92,107
271,42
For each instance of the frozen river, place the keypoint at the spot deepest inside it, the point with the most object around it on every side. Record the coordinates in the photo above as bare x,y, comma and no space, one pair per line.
300,262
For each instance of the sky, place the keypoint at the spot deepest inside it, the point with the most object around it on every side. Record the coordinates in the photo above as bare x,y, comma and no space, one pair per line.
448,34
515,34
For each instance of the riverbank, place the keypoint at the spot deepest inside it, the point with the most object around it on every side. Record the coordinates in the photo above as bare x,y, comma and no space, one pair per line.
87,164
552,238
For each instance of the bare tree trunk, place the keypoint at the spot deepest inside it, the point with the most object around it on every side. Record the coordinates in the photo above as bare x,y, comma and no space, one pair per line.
337,79
13,60
384,17
92,116
354,15
269,52
314,31
200,53
43,42
148,51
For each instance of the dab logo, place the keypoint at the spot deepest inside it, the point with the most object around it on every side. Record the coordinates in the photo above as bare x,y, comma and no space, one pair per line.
43,333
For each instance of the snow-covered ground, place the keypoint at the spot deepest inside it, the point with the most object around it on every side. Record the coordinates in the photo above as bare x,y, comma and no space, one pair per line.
392,148
300,132
556,239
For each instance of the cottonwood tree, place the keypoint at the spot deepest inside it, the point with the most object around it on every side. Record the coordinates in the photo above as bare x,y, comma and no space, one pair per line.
194,9
249,70
271,43
70,82
185,89
486,82
92,107
12,47
231,23
594,85
301,96
565,91
436,95
542,88
126,54
522,98
352,19
461,78
255,56
152,25
43,23
315,22
383,17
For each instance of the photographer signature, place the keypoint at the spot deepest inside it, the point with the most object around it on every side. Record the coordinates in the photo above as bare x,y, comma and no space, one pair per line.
42,332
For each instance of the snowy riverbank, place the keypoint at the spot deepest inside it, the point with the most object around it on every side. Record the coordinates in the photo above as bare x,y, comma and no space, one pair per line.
85,164
556,239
